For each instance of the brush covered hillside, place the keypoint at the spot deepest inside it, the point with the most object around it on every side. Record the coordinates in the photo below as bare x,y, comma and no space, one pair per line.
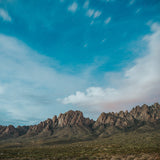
123,135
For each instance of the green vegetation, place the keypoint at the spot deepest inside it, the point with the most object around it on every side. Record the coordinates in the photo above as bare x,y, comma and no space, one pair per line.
127,145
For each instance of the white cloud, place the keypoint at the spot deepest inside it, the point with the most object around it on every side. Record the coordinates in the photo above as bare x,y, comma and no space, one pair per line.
97,14
138,84
73,7
4,15
29,82
86,4
107,20
90,12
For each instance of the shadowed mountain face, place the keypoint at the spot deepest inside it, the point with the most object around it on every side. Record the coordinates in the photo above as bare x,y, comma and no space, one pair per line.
72,124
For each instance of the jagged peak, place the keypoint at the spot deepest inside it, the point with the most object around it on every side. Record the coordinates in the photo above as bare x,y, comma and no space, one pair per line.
71,118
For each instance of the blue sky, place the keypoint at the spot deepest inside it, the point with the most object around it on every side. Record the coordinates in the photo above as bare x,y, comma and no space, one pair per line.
88,55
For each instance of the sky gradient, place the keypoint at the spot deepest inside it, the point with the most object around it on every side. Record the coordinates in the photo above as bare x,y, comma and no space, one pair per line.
89,55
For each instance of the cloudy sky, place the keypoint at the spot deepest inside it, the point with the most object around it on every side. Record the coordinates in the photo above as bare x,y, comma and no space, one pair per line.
89,55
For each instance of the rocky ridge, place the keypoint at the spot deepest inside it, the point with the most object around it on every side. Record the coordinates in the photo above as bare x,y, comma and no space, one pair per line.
74,122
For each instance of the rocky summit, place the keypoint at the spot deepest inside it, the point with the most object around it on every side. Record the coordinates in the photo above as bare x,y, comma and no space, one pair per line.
74,124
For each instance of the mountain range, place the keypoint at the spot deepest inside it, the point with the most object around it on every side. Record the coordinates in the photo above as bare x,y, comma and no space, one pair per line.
73,125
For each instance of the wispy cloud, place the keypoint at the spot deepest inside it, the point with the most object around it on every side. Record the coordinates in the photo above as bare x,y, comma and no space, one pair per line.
85,45
131,2
1,89
86,4
138,10
92,22
73,7
110,0
107,20
30,82
138,84
103,40
97,14
90,12
4,15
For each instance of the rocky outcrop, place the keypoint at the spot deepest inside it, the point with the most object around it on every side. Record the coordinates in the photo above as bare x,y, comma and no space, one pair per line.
9,131
121,119
146,113
22,130
71,118
68,119
2,128
45,127
128,119
73,122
